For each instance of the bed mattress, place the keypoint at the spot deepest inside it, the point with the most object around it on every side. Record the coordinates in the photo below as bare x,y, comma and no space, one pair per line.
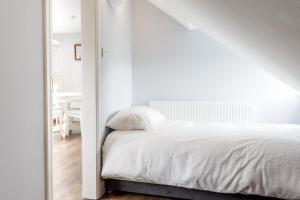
259,159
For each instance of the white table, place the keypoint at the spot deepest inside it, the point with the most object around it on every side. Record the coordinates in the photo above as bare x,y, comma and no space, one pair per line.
66,107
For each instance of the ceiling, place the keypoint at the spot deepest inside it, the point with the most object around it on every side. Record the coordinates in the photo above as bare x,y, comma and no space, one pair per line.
66,16
264,31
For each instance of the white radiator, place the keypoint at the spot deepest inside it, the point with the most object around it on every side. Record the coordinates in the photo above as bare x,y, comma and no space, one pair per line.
205,111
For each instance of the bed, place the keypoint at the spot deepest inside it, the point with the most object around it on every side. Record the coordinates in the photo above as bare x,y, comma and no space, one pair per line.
193,160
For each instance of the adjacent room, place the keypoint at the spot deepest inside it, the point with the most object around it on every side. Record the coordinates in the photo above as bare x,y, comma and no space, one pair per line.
66,89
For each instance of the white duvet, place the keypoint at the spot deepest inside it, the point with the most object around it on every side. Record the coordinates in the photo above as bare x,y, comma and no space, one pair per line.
261,159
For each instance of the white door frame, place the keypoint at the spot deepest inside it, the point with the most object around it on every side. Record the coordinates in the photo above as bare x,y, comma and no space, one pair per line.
90,100
90,104
47,101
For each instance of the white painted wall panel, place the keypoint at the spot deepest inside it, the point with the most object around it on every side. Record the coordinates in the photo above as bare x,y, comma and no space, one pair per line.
71,68
116,70
21,102
115,86
90,158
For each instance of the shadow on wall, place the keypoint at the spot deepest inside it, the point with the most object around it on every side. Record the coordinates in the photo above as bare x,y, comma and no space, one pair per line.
173,63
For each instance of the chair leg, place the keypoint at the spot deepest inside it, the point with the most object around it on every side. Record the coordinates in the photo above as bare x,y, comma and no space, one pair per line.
70,125
61,124
66,126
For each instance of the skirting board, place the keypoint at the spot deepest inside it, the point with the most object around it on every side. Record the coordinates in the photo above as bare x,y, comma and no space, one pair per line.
174,192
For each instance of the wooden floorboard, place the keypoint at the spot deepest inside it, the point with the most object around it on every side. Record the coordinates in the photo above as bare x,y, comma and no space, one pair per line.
67,178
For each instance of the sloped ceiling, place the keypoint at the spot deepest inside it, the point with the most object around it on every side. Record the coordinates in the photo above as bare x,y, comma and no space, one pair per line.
266,32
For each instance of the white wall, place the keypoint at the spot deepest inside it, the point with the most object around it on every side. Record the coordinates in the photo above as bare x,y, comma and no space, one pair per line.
115,85
21,102
172,63
265,31
71,68
116,66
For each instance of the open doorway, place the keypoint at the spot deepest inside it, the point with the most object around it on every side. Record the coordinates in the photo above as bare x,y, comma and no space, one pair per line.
66,98
72,99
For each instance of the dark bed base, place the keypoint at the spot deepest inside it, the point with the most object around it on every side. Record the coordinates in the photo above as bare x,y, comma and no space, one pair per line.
174,192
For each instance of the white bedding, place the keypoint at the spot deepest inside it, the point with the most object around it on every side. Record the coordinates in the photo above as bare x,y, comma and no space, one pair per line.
261,159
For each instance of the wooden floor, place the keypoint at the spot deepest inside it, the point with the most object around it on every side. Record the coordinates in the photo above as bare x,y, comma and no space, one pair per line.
67,178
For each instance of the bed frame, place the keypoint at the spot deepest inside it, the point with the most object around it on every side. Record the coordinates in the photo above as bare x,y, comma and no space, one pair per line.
174,192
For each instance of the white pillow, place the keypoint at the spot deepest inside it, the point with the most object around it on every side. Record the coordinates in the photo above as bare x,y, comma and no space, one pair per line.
136,118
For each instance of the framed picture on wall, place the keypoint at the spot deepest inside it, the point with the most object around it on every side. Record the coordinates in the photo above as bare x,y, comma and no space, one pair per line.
77,51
